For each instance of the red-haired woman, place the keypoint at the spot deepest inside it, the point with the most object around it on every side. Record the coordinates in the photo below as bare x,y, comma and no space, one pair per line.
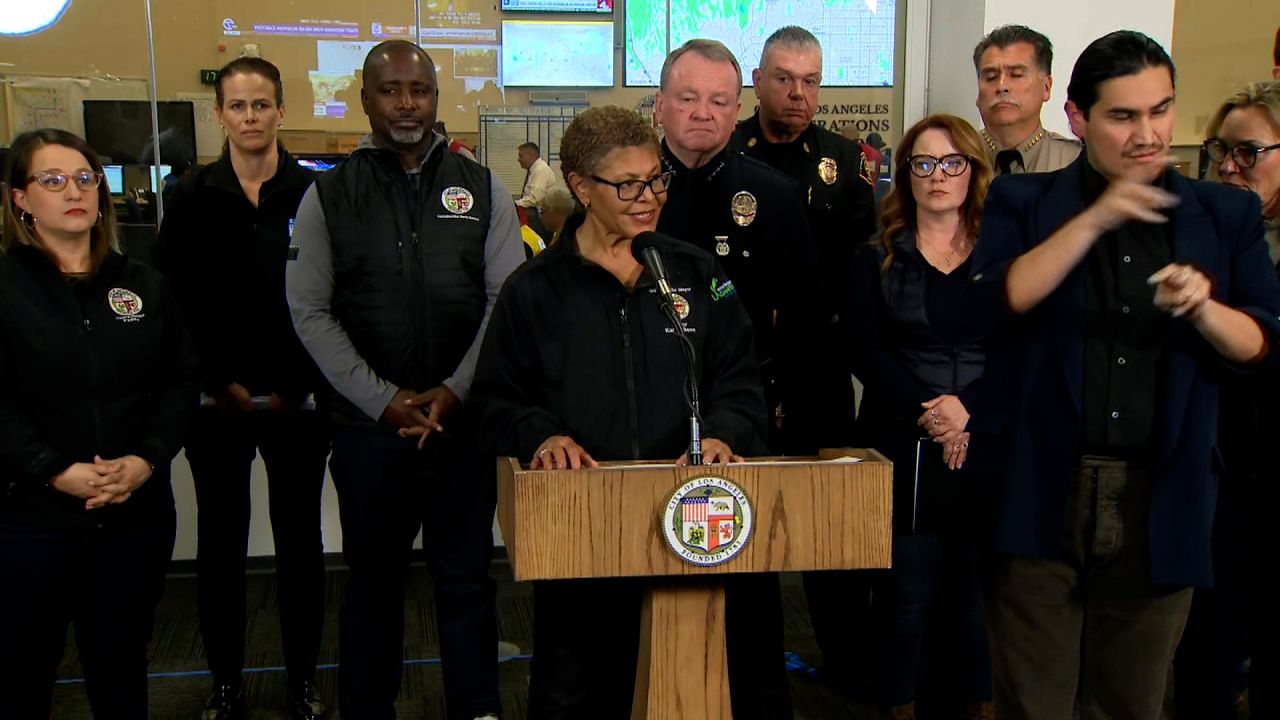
920,326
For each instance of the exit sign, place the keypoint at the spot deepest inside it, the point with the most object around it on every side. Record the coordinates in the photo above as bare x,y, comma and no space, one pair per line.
208,77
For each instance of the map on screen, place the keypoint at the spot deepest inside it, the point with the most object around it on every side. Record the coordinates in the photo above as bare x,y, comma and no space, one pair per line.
857,36
581,54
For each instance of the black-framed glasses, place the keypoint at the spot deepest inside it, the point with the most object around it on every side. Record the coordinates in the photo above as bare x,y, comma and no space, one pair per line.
1246,156
629,190
922,166
55,182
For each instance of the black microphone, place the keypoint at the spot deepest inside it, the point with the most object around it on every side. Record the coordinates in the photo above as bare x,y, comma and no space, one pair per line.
644,249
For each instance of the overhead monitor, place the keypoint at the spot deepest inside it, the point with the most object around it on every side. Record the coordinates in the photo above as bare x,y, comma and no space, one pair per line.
857,36
320,48
557,54
598,6
113,176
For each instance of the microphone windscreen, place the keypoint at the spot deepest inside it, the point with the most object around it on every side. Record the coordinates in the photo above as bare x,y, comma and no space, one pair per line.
641,242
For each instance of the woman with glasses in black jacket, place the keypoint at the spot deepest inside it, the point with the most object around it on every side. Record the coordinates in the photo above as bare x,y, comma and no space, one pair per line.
98,386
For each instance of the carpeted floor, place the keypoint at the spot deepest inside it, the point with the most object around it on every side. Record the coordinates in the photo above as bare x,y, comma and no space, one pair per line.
180,682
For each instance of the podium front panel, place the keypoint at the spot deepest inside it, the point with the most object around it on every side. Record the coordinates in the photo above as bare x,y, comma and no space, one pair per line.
807,514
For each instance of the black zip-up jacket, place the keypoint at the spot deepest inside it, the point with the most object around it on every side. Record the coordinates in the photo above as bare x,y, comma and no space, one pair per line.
226,260
101,367
569,351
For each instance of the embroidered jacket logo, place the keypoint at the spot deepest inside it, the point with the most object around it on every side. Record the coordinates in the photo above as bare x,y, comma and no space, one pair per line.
721,290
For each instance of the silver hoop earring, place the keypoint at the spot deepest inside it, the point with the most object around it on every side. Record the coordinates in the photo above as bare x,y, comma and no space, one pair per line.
27,219
99,216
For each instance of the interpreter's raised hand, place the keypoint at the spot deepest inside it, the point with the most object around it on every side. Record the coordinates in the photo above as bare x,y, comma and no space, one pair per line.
77,481
120,478
1130,198
1181,290
560,452
437,403
944,418
713,451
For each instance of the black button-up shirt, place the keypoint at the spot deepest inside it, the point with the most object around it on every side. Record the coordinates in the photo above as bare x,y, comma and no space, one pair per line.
1125,333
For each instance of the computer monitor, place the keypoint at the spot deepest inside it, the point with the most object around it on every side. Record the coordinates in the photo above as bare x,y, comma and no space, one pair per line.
155,180
120,131
113,176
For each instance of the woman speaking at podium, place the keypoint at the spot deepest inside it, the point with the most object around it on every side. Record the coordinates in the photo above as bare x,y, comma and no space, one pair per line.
579,365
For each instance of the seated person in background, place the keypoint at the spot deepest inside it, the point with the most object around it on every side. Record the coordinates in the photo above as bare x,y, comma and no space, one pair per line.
557,206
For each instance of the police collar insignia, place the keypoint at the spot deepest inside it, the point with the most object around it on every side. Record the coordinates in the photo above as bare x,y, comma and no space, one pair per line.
707,520
457,200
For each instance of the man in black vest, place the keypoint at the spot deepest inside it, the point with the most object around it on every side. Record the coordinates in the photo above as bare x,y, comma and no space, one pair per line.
397,258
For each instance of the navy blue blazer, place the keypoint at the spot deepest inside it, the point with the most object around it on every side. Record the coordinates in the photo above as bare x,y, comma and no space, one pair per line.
1036,367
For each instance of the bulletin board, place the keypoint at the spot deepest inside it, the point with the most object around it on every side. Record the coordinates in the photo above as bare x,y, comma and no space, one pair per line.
32,102
504,129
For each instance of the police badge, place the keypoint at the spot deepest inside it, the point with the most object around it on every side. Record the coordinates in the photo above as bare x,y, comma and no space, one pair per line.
743,208
828,171
722,245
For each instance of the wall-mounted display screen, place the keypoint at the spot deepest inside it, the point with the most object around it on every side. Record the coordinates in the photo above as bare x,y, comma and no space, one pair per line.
600,6
857,36
557,54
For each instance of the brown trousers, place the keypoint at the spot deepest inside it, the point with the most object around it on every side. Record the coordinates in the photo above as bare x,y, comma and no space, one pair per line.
1092,626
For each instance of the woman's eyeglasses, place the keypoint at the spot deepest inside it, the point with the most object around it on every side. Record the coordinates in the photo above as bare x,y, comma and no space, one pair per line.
55,182
922,166
629,190
1245,155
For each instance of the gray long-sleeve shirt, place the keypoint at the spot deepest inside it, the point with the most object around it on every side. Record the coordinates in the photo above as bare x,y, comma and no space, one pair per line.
309,288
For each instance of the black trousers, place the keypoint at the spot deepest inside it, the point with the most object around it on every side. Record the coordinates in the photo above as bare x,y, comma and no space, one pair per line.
586,640
221,451
106,581
387,491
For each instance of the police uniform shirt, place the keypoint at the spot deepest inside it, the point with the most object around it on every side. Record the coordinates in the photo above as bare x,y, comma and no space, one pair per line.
1044,151
752,219
838,189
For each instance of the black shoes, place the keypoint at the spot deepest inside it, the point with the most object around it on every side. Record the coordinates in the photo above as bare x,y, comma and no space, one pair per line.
226,702
304,703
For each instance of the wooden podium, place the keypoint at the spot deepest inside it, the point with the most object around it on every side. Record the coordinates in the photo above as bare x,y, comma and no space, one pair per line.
806,514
